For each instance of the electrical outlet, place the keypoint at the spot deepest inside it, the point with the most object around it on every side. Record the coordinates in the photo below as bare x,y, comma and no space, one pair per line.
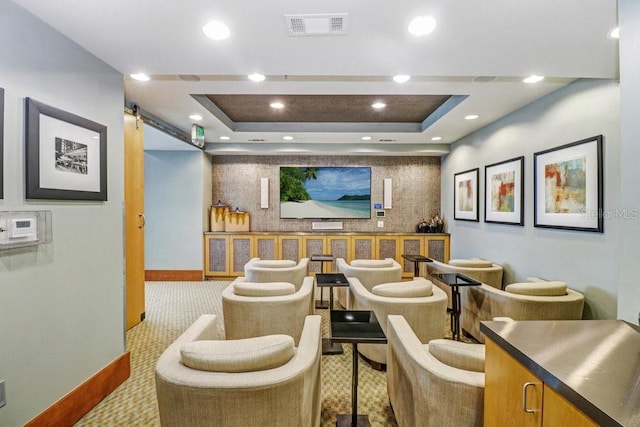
380,224
3,396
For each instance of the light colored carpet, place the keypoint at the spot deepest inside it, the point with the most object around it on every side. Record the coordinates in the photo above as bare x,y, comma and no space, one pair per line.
170,308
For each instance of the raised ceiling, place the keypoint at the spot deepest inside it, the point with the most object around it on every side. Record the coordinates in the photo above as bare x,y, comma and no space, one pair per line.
478,55
328,108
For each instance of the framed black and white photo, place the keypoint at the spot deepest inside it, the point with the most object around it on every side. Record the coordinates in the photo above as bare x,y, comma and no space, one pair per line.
66,155
1,143
504,189
465,195
568,188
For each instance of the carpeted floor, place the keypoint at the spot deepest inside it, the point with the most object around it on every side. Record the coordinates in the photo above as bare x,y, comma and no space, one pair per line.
170,308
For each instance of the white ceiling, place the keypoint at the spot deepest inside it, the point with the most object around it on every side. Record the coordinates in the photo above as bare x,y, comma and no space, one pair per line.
510,39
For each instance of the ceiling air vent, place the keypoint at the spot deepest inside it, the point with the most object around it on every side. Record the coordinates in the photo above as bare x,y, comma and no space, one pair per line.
319,24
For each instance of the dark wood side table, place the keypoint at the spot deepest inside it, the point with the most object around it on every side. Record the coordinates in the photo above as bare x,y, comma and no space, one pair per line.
331,280
355,326
455,280
322,259
416,260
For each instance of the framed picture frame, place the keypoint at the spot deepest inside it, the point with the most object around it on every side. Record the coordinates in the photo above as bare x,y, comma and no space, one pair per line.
568,186
465,195
504,192
66,155
1,143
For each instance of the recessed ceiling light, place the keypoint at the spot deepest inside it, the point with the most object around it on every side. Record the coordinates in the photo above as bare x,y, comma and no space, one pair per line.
256,77
422,25
277,105
471,117
225,138
366,138
533,79
196,117
141,77
287,138
436,138
216,30
378,105
401,78
615,33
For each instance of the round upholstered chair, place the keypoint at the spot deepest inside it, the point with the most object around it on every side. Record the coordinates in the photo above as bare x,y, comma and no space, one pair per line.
440,383
253,309
203,380
370,272
421,303
534,300
276,270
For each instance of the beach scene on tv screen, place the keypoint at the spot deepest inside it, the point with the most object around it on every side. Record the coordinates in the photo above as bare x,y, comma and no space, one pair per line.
325,192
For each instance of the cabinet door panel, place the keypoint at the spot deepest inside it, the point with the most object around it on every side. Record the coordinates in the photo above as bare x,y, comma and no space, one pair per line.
314,245
338,246
437,247
362,247
411,245
216,256
241,251
291,248
505,378
559,412
266,247
387,247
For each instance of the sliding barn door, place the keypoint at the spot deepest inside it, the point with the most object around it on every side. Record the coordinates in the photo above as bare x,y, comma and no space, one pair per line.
134,219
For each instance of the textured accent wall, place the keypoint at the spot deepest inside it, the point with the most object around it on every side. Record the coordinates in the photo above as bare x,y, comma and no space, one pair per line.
416,189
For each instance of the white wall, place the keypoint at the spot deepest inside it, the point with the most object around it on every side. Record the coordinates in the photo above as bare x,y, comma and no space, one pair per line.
587,261
629,292
61,305
173,199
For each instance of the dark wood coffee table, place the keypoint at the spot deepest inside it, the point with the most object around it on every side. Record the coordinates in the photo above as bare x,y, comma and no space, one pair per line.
355,326
455,280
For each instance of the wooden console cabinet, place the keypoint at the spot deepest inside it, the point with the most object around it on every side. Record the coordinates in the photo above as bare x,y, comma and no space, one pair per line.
506,398
549,373
225,254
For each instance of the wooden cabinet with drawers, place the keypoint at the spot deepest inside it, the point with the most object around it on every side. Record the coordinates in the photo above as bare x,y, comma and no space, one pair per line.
226,253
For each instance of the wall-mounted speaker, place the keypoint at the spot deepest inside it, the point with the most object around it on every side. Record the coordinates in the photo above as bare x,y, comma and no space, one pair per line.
264,193
386,193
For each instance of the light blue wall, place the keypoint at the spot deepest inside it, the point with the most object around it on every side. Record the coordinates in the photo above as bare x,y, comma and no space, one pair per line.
629,292
588,262
62,304
173,201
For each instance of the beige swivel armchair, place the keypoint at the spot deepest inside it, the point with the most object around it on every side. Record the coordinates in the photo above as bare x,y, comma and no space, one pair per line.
255,309
370,272
261,381
263,270
435,384
423,305
536,300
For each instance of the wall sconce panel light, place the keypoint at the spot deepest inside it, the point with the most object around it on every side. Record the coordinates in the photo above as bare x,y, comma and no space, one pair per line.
386,193
264,193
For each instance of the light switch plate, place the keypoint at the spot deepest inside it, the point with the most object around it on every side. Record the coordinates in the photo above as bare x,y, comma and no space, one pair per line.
380,224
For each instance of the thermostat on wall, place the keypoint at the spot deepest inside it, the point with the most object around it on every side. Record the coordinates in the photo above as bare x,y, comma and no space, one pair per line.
380,214
24,228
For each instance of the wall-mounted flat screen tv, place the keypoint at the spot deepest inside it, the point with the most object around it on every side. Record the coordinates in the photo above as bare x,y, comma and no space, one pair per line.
325,192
